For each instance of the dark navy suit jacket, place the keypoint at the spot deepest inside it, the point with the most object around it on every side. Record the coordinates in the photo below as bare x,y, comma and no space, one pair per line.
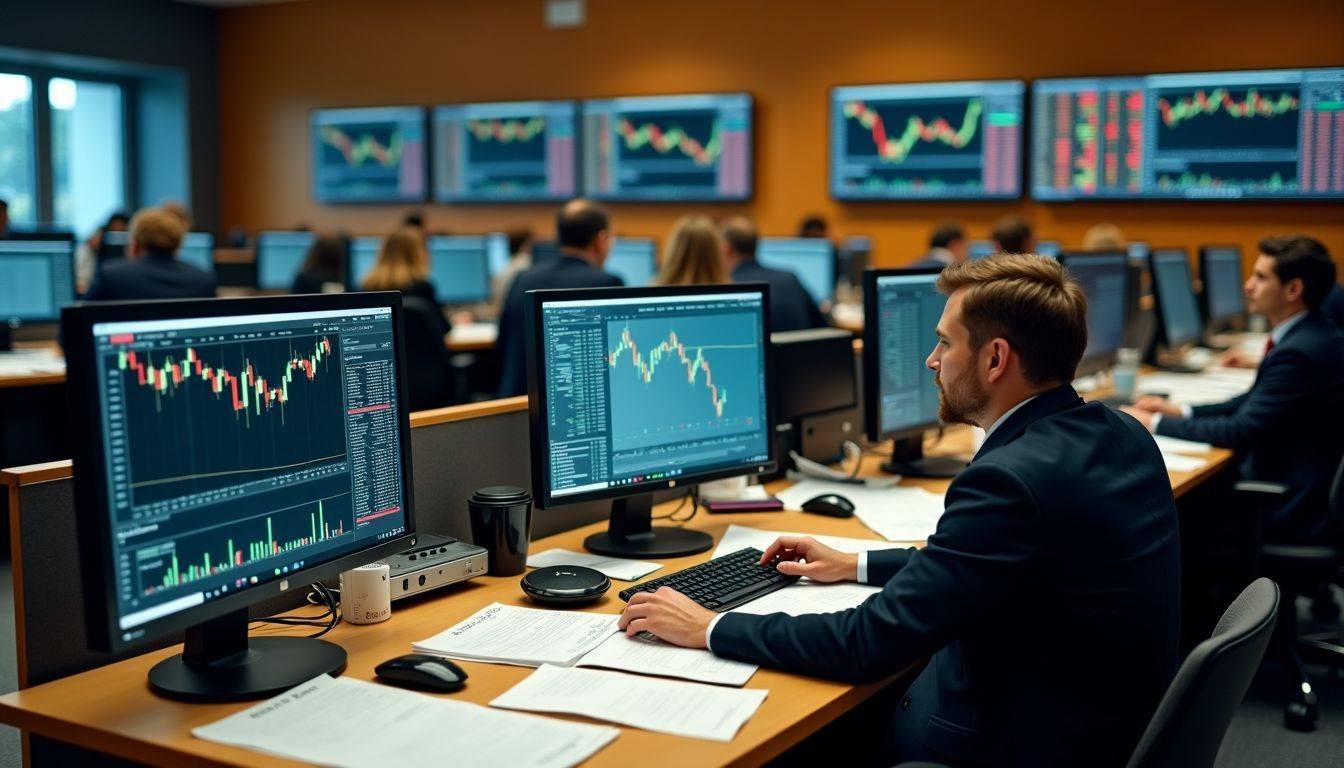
791,306
1333,306
152,277
1289,428
1047,598
563,272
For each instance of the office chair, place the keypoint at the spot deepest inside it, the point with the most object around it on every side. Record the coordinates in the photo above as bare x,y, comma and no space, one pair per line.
429,372
1193,716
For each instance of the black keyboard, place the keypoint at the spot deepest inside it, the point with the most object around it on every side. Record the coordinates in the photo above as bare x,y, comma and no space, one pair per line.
722,583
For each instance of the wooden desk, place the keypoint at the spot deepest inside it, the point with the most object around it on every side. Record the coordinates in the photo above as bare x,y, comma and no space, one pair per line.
34,379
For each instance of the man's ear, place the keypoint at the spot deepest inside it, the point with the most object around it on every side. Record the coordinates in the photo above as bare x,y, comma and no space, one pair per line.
997,353
1293,289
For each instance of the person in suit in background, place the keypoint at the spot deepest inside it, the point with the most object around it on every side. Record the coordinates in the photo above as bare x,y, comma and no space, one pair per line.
583,230
947,245
90,252
1012,234
693,254
791,308
1289,428
814,226
520,259
151,269
323,269
1058,546
1103,237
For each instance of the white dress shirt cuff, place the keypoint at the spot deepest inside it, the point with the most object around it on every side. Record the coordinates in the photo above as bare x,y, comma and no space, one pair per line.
709,631
862,575
1152,424
1186,411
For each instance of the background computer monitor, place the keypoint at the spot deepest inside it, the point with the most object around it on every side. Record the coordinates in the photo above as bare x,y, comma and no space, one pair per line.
363,255
37,278
632,390
497,252
505,151
1220,273
1104,277
980,249
369,155
853,256
810,258
232,450
279,257
901,308
1174,297
1049,248
113,245
1140,316
633,259
198,250
459,267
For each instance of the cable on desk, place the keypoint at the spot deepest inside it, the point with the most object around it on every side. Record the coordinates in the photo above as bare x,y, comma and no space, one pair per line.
328,619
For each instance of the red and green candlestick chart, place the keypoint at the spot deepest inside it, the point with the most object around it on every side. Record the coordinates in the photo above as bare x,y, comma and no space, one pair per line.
365,148
1220,99
673,138
916,130
506,131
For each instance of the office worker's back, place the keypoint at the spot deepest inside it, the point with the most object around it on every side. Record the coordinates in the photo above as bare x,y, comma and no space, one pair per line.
154,276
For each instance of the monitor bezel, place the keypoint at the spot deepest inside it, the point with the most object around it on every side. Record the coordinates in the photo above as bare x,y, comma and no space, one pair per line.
47,237
391,199
91,491
536,387
1205,301
872,384
1156,284
1090,364
473,200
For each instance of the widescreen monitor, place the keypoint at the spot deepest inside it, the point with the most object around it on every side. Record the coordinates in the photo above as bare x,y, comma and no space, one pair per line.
1104,277
1174,294
634,260
521,151
369,155
1220,273
812,259
198,250
1049,248
980,249
363,255
459,267
37,278
279,257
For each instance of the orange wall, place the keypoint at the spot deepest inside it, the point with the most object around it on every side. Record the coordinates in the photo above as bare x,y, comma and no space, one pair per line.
278,61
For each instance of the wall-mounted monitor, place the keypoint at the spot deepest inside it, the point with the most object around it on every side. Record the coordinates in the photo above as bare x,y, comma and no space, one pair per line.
520,151
369,155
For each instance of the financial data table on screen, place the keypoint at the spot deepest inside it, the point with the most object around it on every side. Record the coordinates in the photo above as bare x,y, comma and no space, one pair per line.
645,389
668,147
908,307
1262,134
506,151
633,260
934,140
374,154
242,448
810,258
37,278
279,257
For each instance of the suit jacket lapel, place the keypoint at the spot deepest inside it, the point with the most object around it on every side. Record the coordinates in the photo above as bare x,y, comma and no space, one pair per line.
1051,401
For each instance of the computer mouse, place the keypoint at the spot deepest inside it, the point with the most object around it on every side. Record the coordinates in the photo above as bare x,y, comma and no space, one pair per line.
423,672
829,504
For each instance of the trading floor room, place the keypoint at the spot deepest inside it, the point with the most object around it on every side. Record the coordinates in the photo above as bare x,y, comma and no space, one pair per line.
590,383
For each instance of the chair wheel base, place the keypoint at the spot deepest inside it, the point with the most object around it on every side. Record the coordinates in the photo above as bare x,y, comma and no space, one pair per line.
1299,716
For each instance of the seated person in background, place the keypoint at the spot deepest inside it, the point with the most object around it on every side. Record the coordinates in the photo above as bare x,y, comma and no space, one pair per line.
947,245
1289,428
150,269
584,233
791,307
1058,547
323,269
693,254
813,226
88,254
402,265
1012,234
181,211
520,258
1103,237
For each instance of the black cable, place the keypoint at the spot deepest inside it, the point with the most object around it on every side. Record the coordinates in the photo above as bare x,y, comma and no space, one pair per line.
694,496
672,515
328,619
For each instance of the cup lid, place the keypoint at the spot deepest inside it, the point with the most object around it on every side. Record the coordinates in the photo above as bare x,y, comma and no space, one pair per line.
500,494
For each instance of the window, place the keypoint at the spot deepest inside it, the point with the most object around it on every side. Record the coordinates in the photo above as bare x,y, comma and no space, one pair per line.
17,185
88,152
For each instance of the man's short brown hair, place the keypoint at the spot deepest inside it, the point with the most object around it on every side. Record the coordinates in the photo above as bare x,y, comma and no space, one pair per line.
1032,303
157,230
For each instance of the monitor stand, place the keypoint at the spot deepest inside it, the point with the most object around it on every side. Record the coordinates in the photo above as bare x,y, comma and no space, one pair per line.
6,337
631,533
908,459
221,663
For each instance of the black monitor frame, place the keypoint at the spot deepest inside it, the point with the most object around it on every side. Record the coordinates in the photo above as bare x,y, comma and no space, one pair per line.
1100,362
1156,283
1236,319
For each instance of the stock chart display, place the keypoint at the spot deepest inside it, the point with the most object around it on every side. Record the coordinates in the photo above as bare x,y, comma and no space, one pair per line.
668,147
498,152
642,390
240,450
1266,134
934,140
374,154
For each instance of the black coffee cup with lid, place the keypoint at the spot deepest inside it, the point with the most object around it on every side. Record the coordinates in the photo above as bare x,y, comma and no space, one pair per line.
501,521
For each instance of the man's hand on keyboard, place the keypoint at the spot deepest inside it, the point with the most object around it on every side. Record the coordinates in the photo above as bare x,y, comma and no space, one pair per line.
805,556
668,614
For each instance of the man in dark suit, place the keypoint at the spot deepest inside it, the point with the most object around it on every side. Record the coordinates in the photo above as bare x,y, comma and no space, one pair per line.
1047,596
1289,428
791,308
151,269
1333,306
584,233
947,245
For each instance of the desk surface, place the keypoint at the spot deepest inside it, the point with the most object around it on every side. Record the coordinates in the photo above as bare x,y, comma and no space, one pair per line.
111,708
33,366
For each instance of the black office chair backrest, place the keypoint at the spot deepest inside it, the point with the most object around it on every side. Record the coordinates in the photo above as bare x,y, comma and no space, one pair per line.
428,374
1335,513
1193,716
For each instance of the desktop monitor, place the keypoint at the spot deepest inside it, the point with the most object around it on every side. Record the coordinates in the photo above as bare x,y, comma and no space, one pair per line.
369,155
980,249
37,278
113,245
198,250
812,259
901,308
459,268
497,254
1174,297
854,255
633,390
1051,248
279,257
520,151
1140,317
363,255
1138,249
234,449
633,260
1104,277
1220,273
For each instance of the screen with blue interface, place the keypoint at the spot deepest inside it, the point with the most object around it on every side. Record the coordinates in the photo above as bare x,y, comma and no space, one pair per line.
1221,271
1175,296
642,390
1104,278
980,249
506,151
812,259
240,449
37,278
1049,248
927,140
1261,134
497,251
363,255
369,155
633,260
907,312
668,147
459,267
198,250
279,257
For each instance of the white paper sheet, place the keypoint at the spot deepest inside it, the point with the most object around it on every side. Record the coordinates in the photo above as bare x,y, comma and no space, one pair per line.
1177,463
655,657
613,567
528,637
478,333
808,596
1183,447
739,536
666,706
896,514
356,724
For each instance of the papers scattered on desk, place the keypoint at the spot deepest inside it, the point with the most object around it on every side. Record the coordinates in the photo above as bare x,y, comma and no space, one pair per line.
526,637
613,567
654,657
29,362
739,536
665,706
474,333
1183,447
895,514
353,723
1212,386
808,596
1177,463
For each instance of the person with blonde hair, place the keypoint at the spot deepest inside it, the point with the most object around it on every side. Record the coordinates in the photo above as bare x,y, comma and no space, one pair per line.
1102,237
693,254
151,269
402,265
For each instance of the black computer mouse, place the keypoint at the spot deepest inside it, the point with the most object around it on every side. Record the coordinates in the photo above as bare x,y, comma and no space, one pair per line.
829,504
423,672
